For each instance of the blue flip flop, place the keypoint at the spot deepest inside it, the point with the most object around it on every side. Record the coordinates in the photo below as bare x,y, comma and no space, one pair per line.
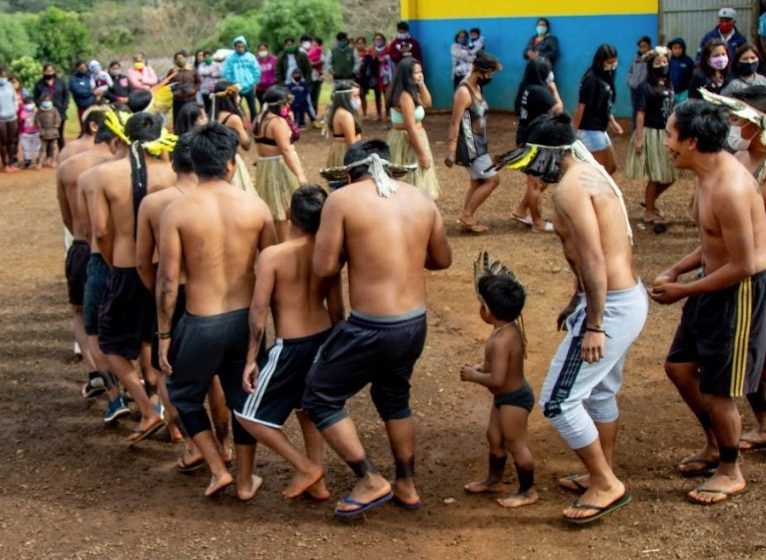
362,505
405,505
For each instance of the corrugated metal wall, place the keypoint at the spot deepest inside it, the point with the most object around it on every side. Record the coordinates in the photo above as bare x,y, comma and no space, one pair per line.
691,19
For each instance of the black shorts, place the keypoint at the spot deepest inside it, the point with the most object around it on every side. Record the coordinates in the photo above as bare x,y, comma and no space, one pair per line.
282,380
724,333
362,350
178,312
126,315
522,398
201,348
75,267
95,286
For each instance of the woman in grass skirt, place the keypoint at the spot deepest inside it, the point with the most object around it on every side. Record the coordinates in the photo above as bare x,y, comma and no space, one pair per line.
278,172
408,97
648,157
343,120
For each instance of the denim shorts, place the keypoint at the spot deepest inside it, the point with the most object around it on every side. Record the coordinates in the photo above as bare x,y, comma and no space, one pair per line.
594,140
476,171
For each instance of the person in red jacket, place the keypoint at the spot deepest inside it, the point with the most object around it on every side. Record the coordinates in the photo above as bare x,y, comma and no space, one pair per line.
404,45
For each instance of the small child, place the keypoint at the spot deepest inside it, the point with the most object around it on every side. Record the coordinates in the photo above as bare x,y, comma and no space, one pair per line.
48,122
502,372
301,105
100,81
29,134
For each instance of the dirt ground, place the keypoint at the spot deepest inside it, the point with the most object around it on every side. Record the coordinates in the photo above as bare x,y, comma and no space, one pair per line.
72,488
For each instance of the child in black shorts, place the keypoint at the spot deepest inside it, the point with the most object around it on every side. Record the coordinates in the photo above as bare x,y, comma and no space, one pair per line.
502,372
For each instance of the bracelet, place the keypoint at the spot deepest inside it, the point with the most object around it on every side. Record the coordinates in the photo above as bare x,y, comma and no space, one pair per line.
163,335
596,330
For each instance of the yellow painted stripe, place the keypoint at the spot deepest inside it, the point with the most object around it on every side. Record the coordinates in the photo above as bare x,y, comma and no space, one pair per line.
455,9
741,339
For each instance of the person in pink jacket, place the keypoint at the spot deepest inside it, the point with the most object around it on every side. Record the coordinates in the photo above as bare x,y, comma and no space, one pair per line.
141,75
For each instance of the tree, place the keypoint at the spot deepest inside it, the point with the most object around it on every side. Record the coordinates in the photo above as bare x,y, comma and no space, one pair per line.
27,70
176,24
114,26
280,19
60,36
16,42
247,24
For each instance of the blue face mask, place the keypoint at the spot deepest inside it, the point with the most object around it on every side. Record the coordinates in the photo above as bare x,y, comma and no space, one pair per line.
342,44
541,30
3,81
463,41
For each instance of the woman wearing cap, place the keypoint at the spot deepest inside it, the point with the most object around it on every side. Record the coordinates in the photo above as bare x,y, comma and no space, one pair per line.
467,139
408,98
744,70
342,120
648,157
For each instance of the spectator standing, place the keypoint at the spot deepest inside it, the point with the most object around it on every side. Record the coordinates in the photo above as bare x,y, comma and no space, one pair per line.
242,68
48,121
290,58
100,81
343,60
120,90
713,71
476,41
80,86
268,63
637,72
681,69
462,58
9,127
50,84
366,75
185,83
543,43
404,46
209,71
379,51
29,134
726,31
744,70
301,99
317,60
141,76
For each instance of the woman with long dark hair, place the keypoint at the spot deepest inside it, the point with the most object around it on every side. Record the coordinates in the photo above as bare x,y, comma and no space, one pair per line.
408,98
713,71
226,111
594,108
279,172
648,157
342,120
744,70
191,115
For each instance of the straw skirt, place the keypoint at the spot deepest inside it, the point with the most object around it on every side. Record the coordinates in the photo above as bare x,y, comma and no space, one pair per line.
402,153
653,163
275,184
242,179
336,154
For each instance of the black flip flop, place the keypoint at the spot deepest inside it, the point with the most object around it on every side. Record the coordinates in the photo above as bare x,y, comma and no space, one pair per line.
580,489
619,503
710,465
184,467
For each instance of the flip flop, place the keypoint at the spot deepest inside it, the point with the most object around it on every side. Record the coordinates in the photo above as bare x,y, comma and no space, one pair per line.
725,493
620,502
709,466
363,507
140,435
466,227
547,228
404,505
184,467
747,445
526,220
579,488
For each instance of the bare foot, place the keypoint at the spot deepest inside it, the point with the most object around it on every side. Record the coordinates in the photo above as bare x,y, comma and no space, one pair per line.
318,491
226,454
368,489
484,487
245,493
302,481
718,488
406,494
575,483
517,500
754,439
218,484
595,497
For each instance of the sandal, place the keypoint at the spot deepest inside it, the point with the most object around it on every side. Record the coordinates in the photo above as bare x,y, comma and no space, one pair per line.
467,227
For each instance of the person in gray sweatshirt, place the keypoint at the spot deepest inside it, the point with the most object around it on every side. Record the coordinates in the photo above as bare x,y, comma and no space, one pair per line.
637,72
9,127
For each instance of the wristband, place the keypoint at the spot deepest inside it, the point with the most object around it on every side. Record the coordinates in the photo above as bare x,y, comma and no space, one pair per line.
163,335
597,330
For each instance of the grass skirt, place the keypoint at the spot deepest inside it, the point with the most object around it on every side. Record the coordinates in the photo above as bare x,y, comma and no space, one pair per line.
336,154
402,153
242,179
653,163
275,184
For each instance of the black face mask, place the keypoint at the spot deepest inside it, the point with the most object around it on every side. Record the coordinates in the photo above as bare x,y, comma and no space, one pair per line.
661,71
746,68
609,74
483,81
49,76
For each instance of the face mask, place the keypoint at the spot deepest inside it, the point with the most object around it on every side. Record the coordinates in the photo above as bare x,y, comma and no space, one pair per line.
29,106
719,62
463,41
402,36
263,54
296,78
356,104
306,45
736,142
181,63
3,81
341,44
661,71
284,112
49,76
291,50
725,27
46,105
549,79
746,68
484,81
138,66
609,72
541,30
378,43
208,60
114,73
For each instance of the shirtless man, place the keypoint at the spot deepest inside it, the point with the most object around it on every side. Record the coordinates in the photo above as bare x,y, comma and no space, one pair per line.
127,313
604,317
92,121
388,232
147,236
286,284
214,234
720,345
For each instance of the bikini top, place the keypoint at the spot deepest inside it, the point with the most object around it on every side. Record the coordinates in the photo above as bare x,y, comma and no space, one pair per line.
357,131
268,141
398,118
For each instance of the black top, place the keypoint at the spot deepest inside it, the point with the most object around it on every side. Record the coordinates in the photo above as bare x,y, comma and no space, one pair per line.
656,103
700,79
58,92
534,101
596,94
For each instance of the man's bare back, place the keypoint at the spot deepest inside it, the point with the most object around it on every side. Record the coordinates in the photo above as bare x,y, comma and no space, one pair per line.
387,241
217,231
72,205
75,147
585,202
115,204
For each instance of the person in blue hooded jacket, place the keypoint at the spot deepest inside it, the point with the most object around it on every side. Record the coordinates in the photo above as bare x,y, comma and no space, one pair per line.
79,85
681,69
241,67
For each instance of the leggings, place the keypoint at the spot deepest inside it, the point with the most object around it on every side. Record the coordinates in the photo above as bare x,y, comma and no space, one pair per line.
9,141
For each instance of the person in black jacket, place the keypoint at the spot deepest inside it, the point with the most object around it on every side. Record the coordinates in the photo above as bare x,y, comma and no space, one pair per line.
120,89
52,85
543,43
291,57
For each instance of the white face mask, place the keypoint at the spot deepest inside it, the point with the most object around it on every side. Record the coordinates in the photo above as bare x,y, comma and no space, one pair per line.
735,140
306,45
356,104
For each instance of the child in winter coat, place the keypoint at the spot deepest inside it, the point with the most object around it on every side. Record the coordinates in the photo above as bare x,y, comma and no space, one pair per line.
301,105
48,121
29,134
